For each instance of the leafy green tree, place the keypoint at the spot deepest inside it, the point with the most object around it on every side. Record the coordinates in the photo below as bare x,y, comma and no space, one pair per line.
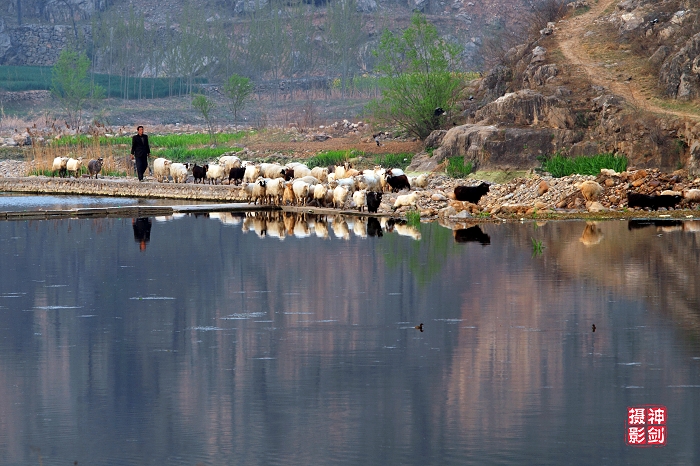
237,90
205,107
71,84
420,72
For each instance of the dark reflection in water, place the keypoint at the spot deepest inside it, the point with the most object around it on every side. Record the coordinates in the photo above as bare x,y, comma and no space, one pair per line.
142,231
471,234
637,224
293,340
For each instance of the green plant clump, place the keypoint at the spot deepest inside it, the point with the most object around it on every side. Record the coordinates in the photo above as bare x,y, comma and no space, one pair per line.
394,160
182,154
155,141
457,168
559,166
413,218
331,157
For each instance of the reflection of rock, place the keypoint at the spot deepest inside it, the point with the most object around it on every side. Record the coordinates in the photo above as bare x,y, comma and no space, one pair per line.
591,234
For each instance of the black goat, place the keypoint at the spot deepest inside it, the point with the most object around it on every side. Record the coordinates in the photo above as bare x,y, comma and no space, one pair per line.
236,175
398,183
653,202
373,201
199,172
471,193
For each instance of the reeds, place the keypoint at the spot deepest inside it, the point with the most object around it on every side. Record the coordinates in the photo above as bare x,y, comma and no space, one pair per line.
458,168
115,160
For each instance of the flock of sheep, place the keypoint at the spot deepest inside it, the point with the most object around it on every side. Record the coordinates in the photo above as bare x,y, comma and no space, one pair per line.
296,184
64,165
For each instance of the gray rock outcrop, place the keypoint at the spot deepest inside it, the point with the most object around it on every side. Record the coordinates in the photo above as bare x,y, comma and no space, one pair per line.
680,73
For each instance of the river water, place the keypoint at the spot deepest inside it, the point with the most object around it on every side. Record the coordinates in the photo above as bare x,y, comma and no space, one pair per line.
223,340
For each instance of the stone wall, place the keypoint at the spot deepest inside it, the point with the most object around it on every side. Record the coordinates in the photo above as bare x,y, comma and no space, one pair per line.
36,45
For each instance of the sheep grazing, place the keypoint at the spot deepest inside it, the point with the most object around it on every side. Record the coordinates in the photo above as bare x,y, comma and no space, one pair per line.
360,199
373,201
215,174
95,167
653,202
59,166
179,172
161,169
591,190
74,165
199,173
471,193
398,183
340,196
407,200
301,191
236,175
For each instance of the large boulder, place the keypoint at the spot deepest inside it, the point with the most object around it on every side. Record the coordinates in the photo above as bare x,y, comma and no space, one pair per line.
526,108
492,147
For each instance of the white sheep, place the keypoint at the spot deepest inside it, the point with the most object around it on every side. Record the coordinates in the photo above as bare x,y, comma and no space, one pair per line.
340,228
320,194
321,228
360,199
73,166
272,170
301,171
307,179
215,173
340,196
420,181
179,172
301,191
161,169
348,183
407,230
394,172
360,228
406,200
229,162
368,181
274,190
59,166
252,172
248,191
321,173
259,191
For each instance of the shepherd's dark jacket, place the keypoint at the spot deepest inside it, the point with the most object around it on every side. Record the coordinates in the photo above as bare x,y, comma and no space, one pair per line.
139,146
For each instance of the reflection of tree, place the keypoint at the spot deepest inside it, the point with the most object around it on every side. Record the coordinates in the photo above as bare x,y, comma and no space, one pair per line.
142,231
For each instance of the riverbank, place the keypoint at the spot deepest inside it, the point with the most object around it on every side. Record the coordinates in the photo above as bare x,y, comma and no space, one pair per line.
535,197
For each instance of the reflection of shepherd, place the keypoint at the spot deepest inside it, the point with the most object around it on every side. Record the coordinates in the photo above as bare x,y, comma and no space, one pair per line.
142,231
140,150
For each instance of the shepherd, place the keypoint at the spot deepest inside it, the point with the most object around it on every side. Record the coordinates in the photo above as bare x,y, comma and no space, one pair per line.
140,150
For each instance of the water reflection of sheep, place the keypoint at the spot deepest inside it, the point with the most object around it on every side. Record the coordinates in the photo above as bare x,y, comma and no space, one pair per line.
591,235
282,224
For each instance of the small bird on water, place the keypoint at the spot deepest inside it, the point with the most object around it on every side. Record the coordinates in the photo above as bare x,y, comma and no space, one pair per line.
419,327
593,327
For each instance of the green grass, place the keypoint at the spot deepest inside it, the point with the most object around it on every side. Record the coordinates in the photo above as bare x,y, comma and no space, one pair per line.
413,218
331,157
394,160
182,154
456,168
559,166
155,141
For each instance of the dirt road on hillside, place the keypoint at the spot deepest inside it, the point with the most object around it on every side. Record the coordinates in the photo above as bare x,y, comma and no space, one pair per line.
570,37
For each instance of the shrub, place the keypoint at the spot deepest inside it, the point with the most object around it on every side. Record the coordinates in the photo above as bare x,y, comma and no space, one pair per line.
394,160
458,168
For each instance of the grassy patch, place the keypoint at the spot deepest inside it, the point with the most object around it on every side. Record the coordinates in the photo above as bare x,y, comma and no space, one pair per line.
413,218
393,160
331,157
559,166
457,168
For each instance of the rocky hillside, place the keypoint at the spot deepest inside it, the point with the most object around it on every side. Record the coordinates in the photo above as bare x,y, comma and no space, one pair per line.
612,76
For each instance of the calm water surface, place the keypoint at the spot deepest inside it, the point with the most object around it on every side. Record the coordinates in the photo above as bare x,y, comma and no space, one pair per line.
228,341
